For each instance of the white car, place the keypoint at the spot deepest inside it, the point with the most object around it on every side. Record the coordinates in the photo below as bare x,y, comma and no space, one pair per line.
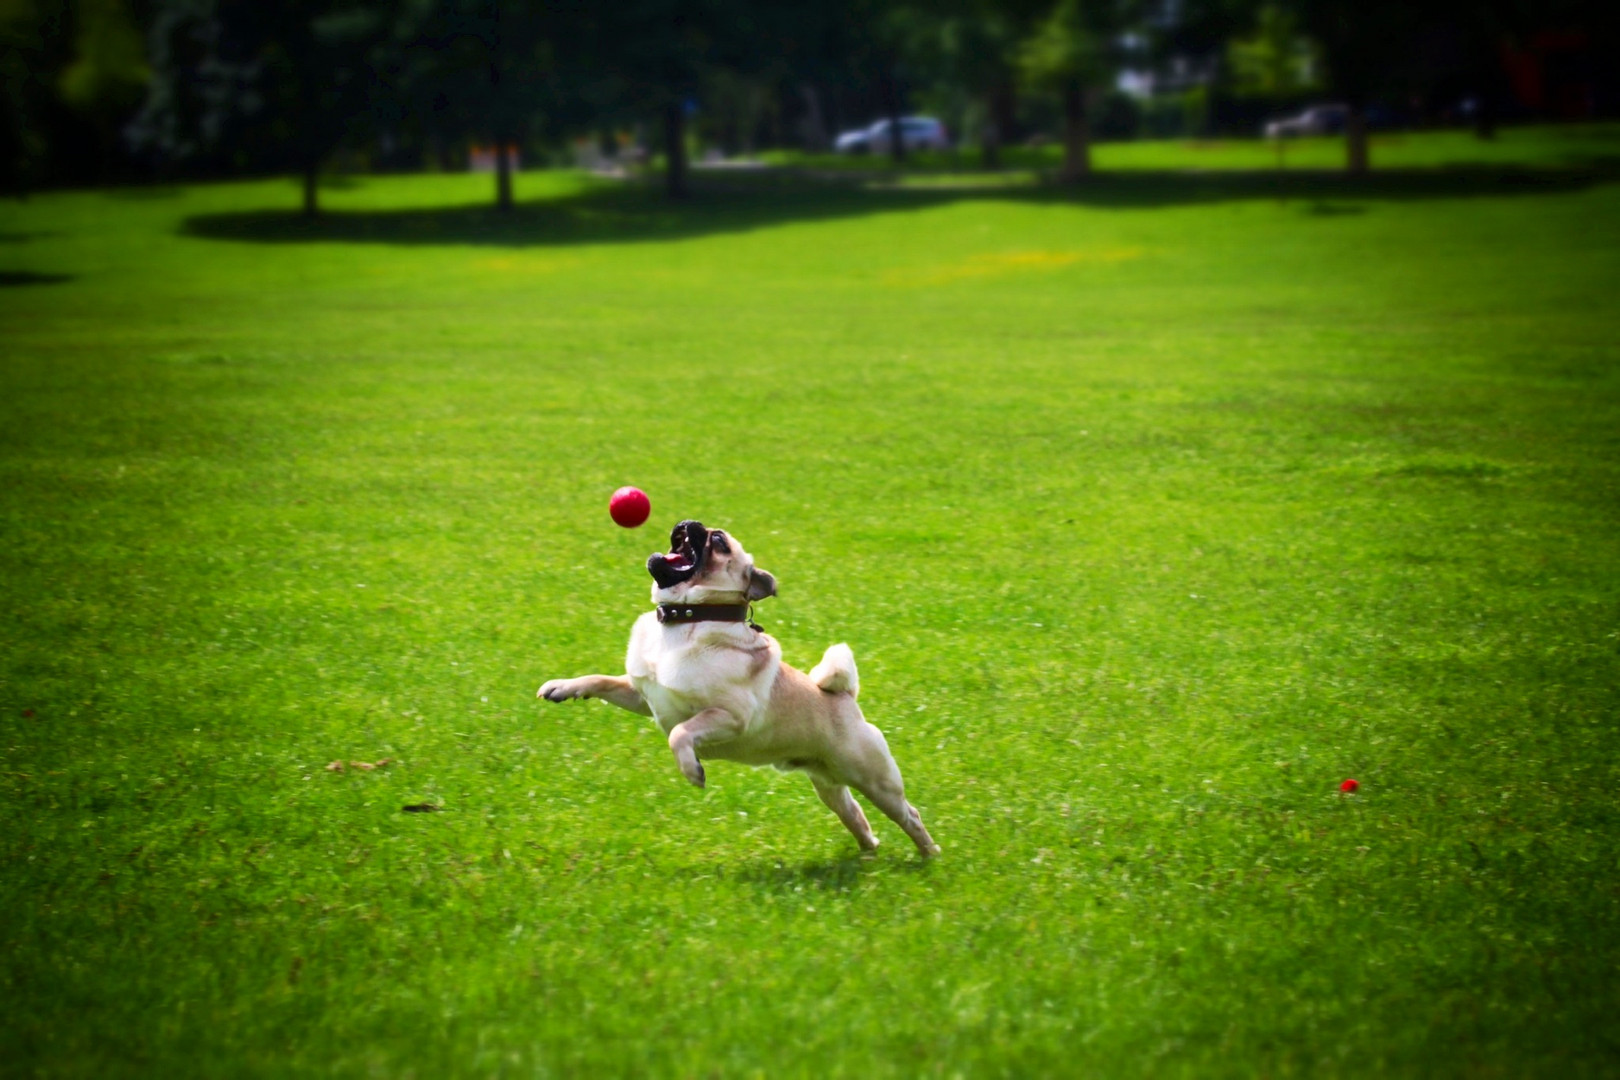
916,133
1316,120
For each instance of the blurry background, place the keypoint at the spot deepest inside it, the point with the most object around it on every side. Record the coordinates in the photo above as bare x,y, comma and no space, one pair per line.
99,91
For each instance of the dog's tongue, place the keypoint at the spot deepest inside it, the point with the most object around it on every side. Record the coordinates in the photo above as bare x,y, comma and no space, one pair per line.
678,560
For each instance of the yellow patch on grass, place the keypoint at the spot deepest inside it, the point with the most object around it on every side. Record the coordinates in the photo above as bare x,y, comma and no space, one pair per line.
526,264
1004,264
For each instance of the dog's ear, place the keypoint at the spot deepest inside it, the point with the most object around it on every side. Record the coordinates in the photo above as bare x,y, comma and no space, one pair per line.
760,584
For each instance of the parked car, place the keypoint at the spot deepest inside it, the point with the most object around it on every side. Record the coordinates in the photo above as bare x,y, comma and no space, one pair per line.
916,133
1316,120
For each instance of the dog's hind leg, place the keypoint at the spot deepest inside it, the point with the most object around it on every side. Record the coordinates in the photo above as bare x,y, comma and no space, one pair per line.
892,801
842,803
880,781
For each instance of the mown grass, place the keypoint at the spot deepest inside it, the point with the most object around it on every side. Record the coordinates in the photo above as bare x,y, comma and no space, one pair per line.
1152,511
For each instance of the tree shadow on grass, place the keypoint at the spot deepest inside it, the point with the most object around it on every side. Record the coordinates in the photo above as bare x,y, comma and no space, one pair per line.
635,213
144,192
1327,209
12,278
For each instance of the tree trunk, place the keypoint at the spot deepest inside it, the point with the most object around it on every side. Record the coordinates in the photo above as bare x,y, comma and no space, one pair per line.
1355,141
1004,113
675,150
1076,135
990,147
1485,115
897,139
501,115
312,176
815,128
1002,110
990,136
503,174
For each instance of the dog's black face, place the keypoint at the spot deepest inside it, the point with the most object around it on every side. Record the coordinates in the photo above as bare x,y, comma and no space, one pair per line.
688,548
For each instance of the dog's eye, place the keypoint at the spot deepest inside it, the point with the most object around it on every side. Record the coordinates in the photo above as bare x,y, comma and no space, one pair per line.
718,542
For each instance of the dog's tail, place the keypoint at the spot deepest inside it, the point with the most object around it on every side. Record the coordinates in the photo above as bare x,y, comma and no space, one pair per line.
836,673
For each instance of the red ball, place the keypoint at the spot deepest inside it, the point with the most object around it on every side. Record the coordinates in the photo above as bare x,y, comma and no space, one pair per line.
629,507
1350,787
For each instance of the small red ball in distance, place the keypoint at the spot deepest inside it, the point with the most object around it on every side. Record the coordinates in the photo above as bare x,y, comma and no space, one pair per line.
1350,787
629,507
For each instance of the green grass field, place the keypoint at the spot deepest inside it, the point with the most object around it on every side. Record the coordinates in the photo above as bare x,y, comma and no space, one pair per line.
1152,511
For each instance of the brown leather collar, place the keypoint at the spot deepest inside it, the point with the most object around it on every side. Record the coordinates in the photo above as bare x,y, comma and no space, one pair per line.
685,613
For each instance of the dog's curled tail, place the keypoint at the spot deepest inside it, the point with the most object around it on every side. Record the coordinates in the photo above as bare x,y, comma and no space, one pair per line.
836,673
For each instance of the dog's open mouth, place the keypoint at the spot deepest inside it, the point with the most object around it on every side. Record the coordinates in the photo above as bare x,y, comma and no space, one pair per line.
688,544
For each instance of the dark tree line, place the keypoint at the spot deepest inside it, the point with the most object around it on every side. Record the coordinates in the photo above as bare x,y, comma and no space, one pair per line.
92,87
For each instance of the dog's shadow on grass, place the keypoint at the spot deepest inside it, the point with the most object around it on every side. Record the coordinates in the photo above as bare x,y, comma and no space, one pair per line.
834,874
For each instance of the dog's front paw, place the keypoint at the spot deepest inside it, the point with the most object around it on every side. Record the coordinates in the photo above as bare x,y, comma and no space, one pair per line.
560,690
692,769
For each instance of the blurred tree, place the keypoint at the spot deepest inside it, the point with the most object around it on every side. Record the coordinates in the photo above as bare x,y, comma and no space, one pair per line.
1075,50
735,107
1277,61
187,100
490,68
263,85
25,56
801,50
892,27
655,57
1484,27
656,52
821,58
108,75
809,40
881,47
1199,27
974,47
1485,31
71,71
1193,37
1361,42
